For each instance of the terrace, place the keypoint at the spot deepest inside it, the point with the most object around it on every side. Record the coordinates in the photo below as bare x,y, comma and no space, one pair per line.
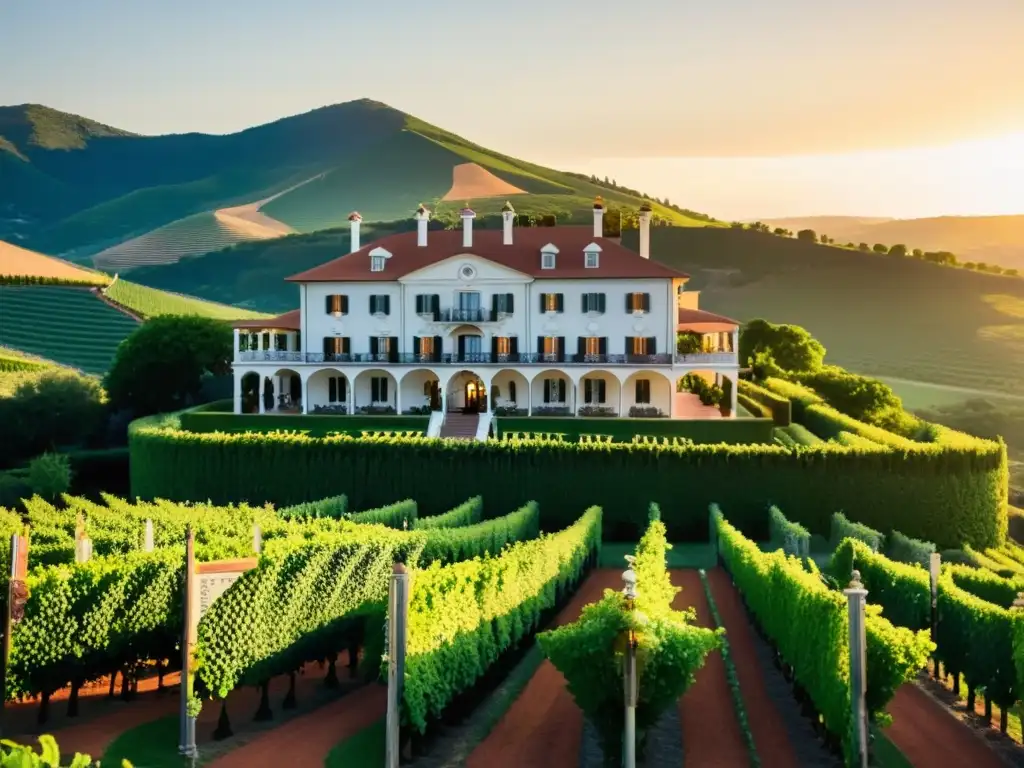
484,358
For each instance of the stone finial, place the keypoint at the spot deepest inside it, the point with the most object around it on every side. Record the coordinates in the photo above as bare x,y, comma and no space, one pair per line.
855,582
629,579
1019,602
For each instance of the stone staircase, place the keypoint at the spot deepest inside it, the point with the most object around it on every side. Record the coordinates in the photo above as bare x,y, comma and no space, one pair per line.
460,426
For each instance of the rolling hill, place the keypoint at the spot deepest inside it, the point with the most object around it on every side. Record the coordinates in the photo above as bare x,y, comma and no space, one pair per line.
96,194
990,239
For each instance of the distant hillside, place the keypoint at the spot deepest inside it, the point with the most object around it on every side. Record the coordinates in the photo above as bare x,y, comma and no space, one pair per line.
990,239
17,262
875,314
90,192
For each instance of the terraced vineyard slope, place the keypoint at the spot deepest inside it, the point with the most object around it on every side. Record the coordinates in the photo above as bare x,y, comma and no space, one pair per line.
71,326
150,302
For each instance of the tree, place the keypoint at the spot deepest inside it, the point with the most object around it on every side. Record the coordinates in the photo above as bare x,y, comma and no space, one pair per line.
782,232
160,367
48,410
864,247
861,397
791,347
898,250
880,248
918,253
49,475
808,235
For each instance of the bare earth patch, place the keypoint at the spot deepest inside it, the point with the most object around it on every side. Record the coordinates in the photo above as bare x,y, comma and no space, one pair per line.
470,181
15,260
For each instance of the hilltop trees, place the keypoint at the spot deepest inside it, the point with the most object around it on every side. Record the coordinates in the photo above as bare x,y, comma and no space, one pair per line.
791,347
160,367
807,235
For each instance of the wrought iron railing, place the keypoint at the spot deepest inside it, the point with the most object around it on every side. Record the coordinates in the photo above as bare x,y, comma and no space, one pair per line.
466,316
485,358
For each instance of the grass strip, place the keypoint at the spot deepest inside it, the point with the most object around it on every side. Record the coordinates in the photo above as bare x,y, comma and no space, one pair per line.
732,677
365,748
885,754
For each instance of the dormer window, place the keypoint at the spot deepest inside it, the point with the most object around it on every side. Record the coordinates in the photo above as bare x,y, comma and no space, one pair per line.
591,256
378,256
547,256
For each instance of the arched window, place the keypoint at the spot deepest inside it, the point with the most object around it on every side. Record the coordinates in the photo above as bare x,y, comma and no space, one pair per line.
511,391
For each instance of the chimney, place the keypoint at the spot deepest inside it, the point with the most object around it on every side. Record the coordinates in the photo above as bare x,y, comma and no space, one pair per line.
508,215
598,217
422,217
467,215
645,230
354,220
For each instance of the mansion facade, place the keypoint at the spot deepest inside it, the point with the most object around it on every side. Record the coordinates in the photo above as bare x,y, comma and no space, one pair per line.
530,320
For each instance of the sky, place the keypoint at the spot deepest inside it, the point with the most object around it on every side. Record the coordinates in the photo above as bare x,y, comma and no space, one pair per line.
740,108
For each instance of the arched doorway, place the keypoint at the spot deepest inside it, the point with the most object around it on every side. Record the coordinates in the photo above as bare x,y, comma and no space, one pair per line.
420,391
467,393
287,391
251,393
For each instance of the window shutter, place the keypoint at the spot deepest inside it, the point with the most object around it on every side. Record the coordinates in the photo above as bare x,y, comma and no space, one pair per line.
437,348
509,303
547,390
332,389
327,304
375,389
393,349
561,348
540,345
384,389
374,345
512,391
600,390
346,345
494,304
629,302
559,302
602,345
416,343
373,304
581,346
629,345
652,345
343,390
327,345
561,390
494,348
344,305
513,347
462,346
585,302
435,305
647,302
387,305
543,301
638,396
600,302
419,303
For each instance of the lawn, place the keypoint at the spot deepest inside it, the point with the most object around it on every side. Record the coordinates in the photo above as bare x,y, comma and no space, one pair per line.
365,748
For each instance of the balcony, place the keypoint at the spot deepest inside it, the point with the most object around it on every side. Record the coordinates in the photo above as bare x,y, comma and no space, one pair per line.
486,358
468,316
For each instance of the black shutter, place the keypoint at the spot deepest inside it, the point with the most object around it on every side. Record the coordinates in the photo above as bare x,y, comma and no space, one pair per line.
543,302
585,302
652,345
384,389
494,348
344,305
600,390
509,303
332,390
547,390
419,303
588,389
437,348
540,345
600,302
494,304
327,345
342,390
374,345
647,302
581,347
561,390
416,343
346,345
393,349
373,304
561,349
629,345
560,303
513,347
638,396
435,305
374,389
387,305
602,345
462,347
327,304
629,302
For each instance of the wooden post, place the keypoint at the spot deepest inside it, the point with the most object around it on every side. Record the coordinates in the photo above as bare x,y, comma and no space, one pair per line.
398,612
856,599
257,539
187,744
147,537
934,564
17,594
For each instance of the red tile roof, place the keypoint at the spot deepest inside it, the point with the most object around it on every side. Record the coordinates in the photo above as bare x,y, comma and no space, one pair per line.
616,261
706,322
289,321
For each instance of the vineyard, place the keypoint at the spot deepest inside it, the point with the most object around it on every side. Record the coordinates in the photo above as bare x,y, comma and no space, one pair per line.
150,302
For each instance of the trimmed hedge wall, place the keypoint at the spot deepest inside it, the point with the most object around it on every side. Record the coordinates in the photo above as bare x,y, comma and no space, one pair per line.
946,495
737,431
778,406
211,420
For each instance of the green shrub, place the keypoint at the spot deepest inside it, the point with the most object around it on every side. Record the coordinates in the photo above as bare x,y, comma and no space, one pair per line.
669,649
333,507
808,624
49,475
844,528
880,487
982,583
908,550
861,397
851,440
779,407
801,435
399,515
14,755
19,364
753,407
903,590
489,537
464,514
464,616
792,538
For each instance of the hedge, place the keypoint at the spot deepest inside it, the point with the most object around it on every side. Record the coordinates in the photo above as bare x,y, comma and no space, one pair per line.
948,496
792,538
399,515
844,528
622,430
489,537
334,507
808,623
778,406
903,590
801,435
908,550
754,408
198,420
464,616
982,583
464,514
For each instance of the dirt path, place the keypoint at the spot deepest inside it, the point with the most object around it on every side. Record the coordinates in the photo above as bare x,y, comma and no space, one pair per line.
711,733
544,727
928,735
307,740
766,723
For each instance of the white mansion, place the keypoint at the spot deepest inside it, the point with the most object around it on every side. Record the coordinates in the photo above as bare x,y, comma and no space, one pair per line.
535,320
